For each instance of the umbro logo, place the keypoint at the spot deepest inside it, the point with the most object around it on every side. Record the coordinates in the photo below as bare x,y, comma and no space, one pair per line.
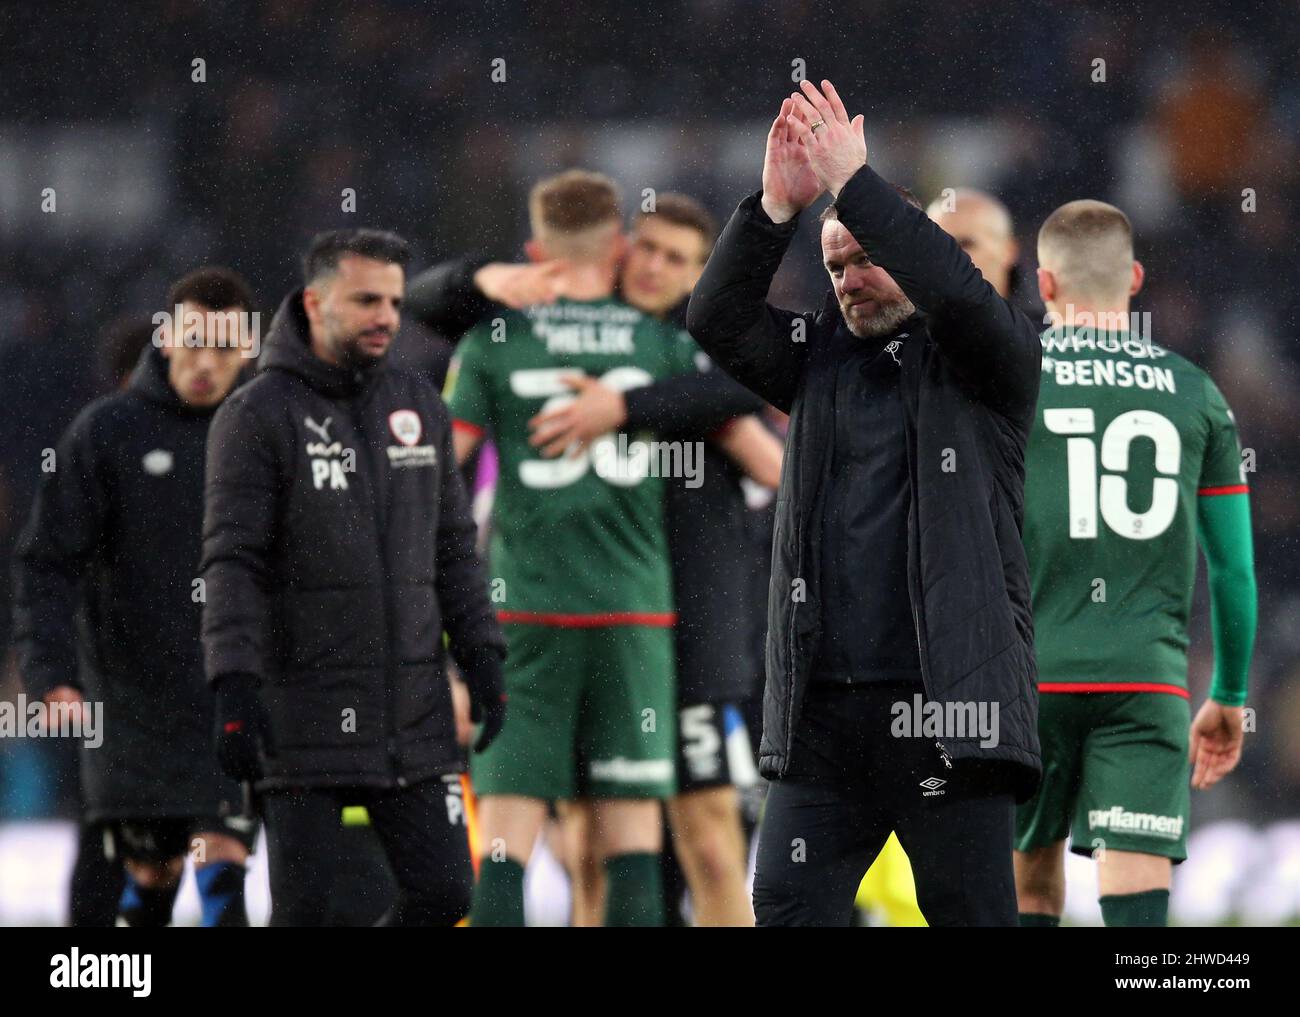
932,786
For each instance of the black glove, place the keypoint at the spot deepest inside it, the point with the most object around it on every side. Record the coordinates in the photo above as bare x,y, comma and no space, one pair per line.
242,726
487,694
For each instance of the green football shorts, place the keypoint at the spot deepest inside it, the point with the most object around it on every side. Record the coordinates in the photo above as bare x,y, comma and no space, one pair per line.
1115,774
591,713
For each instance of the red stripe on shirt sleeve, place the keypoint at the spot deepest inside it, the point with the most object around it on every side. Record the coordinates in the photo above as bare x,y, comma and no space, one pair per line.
473,430
1229,489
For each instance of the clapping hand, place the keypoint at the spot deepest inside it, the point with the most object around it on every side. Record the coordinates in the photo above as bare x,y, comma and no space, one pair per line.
789,183
835,146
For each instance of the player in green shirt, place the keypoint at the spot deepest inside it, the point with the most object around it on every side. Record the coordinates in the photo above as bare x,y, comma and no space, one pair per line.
1133,458
579,561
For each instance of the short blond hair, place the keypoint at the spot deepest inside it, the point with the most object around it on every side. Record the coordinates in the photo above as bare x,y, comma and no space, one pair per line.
575,214
1088,246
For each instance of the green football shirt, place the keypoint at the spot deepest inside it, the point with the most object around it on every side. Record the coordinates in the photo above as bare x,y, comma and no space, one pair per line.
1127,436
575,540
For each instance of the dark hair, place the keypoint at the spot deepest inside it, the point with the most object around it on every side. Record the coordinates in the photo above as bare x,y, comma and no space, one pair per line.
120,347
681,210
831,212
322,257
211,286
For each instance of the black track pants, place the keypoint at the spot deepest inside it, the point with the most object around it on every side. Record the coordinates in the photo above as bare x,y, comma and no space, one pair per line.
421,827
852,782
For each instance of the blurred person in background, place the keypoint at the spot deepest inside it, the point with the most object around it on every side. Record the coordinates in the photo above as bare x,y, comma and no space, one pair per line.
982,227
1211,120
1124,423
113,541
97,880
667,250
707,534
580,554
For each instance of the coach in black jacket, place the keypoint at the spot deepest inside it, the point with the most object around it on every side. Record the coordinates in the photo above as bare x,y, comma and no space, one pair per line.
338,546
898,570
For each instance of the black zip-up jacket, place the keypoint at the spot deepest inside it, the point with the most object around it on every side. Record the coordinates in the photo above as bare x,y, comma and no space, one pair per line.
105,572
969,383
338,546
707,526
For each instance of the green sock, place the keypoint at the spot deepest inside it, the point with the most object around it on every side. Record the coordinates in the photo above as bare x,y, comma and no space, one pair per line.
633,895
1148,909
1029,920
498,895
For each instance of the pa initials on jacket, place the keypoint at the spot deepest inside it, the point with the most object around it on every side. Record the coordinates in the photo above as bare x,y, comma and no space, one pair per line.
330,470
330,461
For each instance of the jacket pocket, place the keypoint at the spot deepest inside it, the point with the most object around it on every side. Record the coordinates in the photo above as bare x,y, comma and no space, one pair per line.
417,623
426,728
330,709
332,628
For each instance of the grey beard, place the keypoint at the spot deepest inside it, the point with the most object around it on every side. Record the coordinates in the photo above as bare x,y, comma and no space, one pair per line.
884,321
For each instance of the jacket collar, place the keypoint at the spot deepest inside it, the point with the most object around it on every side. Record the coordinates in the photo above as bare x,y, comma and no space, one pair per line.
830,311
288,348
831,318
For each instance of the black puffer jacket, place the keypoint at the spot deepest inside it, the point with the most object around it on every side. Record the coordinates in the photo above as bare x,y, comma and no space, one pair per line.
969,384
114,539
338,546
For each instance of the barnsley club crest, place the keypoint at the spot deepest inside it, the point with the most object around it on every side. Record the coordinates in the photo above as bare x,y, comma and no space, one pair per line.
405,425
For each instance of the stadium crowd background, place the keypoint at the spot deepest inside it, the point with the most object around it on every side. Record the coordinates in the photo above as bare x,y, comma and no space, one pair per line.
154,173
